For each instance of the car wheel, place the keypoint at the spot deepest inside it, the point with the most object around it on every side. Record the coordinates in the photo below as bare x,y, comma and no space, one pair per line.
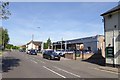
58,59
49,58
43,56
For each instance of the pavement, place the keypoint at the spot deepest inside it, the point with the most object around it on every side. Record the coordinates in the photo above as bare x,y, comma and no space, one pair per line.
109,69
21,65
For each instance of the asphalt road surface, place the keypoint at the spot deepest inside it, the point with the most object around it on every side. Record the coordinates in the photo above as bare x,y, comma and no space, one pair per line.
21,65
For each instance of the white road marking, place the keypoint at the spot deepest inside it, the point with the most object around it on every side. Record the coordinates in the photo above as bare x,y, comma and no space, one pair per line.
41,61
38,60
54,72
105,71
67,71
34,61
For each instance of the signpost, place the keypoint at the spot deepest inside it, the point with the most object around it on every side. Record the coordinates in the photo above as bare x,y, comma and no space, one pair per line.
110,54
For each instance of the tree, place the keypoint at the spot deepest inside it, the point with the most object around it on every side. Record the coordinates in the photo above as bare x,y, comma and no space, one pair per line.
47,45
9,46
4,12
4,37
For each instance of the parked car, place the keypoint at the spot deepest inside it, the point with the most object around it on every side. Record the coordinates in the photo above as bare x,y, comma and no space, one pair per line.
50,54
32,52
86,51
21,50
28,51
62,53
58,51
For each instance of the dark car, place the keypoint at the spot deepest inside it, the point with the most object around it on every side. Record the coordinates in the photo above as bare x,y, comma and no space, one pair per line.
21,50
32,52
51,55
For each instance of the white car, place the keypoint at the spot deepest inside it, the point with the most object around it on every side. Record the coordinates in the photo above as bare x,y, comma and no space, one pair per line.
58,51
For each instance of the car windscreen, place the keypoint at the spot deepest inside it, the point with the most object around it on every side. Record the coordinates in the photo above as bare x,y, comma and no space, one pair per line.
32,50
54,53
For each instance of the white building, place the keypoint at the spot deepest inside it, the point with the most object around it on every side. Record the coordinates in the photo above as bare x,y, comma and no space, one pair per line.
112,33
34,45
93,43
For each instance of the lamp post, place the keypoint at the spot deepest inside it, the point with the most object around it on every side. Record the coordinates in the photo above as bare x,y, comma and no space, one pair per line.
61,43
32,40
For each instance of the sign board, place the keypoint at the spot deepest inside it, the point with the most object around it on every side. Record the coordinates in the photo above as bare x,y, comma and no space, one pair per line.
110,52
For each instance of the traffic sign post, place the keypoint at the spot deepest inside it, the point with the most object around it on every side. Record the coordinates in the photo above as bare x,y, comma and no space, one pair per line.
110,54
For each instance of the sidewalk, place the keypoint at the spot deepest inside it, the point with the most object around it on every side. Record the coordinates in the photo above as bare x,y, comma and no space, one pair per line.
109,69
40,54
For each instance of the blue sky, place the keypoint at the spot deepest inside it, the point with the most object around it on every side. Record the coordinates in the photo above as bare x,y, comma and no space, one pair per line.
67,20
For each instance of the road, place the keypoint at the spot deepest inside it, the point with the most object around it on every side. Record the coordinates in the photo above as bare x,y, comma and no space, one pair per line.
21,65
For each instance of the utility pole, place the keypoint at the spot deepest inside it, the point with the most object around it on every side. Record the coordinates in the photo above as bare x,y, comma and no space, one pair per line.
61,43
32,40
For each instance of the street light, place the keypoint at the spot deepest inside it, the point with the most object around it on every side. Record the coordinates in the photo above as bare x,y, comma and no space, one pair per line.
33,38
61,43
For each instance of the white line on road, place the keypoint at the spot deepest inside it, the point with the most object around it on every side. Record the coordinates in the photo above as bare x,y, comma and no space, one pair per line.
105,71
34,61
41,61
54,72
66,71
38,60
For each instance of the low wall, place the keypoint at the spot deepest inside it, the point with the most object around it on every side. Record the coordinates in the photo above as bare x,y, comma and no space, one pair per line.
72,56
69,55
86,56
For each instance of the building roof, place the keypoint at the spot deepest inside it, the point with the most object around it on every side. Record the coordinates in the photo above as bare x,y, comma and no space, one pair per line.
37,43
112,10
23,46
80,40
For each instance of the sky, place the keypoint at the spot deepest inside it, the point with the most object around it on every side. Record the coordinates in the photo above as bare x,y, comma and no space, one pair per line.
55,20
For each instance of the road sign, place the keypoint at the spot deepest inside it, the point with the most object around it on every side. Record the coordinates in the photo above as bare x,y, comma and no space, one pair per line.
110,52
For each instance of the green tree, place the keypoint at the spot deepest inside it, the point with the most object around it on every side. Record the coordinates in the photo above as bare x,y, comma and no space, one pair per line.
9,46
47,45
4,37
4,12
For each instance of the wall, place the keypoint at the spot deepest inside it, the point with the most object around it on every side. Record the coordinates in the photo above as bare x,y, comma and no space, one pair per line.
101,45
92,44
110,31
31,46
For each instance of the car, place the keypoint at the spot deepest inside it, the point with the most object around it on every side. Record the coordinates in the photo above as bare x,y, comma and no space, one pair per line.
28,51
86,51
58,51
32,52
51,55
62,53
20,50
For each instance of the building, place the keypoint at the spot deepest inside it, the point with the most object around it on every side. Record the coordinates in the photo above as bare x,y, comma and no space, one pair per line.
93,43
34,45
112,35
23,47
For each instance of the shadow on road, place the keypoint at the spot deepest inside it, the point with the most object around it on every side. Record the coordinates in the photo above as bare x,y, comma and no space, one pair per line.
8,63
96,59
